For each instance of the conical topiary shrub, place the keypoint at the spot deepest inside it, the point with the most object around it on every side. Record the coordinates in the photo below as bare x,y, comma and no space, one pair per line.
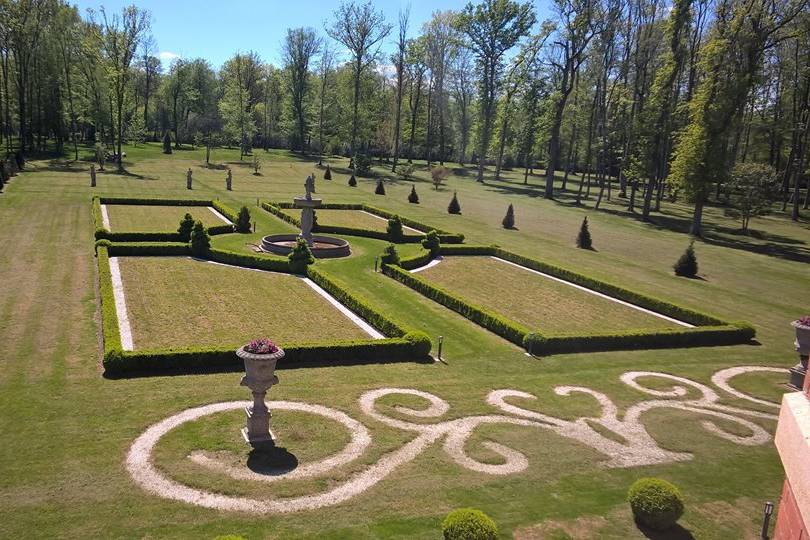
395,229
200,241
509,219
186,225
352,181
243,220
327,175
167,143
687,265
412,196
584,236
300,257
380,190
454,207
432,243
390,255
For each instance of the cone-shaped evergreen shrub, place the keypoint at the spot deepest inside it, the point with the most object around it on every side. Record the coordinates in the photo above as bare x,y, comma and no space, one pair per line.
243,220
687,265
454,207
167,143
395,229
352,181
509,218
655,503
584,236
380,187
469,524
327,175
300,257
432,243
200,241
186,225
413,197
390,255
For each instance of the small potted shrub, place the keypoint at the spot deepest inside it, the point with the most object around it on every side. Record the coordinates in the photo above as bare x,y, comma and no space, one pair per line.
469,524
655,503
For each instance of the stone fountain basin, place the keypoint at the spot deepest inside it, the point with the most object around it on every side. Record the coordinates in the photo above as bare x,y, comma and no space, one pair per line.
324,247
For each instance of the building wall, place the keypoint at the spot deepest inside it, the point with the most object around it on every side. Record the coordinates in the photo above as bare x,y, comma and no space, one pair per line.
793,443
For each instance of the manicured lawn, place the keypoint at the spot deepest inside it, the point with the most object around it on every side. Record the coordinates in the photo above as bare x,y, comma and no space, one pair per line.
147,218
357,219
182,302
67,429
535,301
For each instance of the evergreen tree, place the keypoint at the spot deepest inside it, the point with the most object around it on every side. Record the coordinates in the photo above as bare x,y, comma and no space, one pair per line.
431,242
380,187
413,197
186,225
584,237
243,220
395,229
167,144
390,255
300,257
200,241
327,175
509,219
352,181
687,265
454,207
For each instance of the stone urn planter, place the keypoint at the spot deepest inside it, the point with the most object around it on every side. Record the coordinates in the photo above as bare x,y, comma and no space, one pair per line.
259,376
802,343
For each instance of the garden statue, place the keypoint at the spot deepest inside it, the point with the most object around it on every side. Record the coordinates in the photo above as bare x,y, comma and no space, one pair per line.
188,179
229,180
92,176
260,358
309,186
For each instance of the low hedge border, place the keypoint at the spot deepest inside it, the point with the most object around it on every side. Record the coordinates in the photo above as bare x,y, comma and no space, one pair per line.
102,232
709,330
277,209
403,346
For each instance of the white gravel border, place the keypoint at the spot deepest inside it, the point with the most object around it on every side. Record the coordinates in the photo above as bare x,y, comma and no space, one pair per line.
431,264
105,218
634,446
124,328
404,227
219,215
722,377
596,293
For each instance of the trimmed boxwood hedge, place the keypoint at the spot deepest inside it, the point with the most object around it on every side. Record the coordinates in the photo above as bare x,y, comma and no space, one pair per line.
709,330
403,346
276,208
162,236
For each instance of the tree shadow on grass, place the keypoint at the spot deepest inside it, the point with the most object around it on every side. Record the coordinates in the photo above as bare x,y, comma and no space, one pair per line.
676,532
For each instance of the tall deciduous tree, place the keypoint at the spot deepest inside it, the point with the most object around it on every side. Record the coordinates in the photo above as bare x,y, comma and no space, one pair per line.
300,46
359,27
492,28
398,59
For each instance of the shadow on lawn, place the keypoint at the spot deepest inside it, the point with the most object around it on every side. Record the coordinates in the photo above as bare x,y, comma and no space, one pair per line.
237,368
675,532
270,460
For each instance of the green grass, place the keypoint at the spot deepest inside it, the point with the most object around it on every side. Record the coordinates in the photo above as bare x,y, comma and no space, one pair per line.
534,301
182,302
66,429
147,218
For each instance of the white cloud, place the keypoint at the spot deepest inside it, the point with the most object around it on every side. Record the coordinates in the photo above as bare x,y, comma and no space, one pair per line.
166,56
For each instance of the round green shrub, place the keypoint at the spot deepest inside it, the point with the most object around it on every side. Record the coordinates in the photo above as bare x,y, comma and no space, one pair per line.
432,243
468,524
390,255
420,341
300,257
655,503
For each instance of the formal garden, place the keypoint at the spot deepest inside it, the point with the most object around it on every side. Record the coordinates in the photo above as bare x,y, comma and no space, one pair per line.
446,362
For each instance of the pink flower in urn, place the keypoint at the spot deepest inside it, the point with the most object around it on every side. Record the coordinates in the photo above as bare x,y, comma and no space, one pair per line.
261,346
804,321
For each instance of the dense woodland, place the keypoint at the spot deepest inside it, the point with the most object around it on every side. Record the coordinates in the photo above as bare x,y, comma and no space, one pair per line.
699,100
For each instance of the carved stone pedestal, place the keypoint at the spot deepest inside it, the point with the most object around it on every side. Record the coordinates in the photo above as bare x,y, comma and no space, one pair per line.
259,377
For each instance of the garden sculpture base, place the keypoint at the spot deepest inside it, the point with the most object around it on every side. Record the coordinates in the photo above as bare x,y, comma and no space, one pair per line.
259,377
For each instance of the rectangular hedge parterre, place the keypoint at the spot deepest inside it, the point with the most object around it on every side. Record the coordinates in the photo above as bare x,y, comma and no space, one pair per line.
708,331
276,208
401,345
102,233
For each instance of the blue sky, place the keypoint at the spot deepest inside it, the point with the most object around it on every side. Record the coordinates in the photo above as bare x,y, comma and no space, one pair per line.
215,30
